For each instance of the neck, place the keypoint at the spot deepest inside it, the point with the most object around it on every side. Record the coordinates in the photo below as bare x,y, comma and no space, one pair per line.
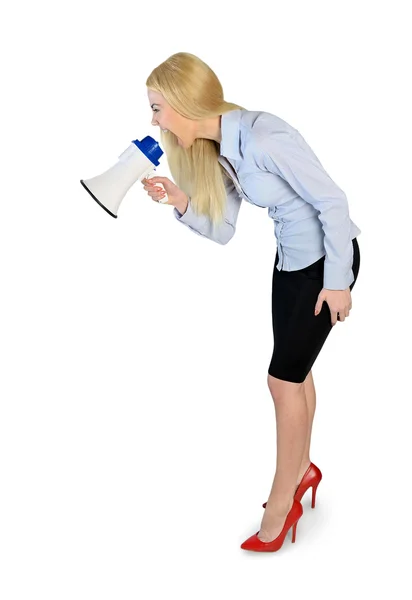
211,129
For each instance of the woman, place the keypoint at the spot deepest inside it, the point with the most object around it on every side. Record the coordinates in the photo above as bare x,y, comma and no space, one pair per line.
218,153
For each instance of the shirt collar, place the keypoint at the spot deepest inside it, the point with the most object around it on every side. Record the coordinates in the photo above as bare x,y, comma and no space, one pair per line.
230,130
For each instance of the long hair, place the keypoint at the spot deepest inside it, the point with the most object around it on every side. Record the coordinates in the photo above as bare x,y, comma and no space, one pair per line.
193,90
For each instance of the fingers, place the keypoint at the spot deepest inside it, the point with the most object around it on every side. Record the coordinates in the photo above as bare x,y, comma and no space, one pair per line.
155,192
148,185
336,314
341,315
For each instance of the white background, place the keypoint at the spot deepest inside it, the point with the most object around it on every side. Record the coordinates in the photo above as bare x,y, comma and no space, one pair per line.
138,436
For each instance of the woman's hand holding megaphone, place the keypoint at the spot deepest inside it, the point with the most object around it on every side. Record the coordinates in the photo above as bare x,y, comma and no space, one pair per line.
175,196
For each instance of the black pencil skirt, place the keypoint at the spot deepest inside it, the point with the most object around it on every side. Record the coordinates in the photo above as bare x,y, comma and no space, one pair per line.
298,334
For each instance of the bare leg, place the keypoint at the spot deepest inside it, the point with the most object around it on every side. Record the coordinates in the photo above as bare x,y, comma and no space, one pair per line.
311,405
291,428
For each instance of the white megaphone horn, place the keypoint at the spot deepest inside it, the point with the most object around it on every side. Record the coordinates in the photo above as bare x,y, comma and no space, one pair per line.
135,163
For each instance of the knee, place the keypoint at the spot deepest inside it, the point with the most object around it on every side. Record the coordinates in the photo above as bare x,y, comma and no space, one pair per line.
279,388
309,380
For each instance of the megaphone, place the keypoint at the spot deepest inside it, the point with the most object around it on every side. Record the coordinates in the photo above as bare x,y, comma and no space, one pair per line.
135,163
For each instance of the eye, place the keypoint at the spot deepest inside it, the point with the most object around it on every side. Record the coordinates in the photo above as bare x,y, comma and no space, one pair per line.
155,109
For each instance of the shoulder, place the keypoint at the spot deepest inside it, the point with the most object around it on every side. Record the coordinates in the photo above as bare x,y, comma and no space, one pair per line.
262,130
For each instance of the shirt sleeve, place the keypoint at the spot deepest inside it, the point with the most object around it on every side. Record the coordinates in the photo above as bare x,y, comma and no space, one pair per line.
290,157
221,233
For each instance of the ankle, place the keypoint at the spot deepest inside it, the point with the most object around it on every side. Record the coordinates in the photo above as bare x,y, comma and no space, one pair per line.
304,465
279,505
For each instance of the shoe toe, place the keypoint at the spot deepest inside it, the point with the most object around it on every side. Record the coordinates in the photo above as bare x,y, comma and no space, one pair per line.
251,542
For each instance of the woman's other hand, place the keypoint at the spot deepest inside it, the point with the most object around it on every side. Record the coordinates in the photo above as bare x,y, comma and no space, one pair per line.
339,302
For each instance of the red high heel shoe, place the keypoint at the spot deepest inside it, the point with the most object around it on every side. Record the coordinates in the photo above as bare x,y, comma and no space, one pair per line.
292,518
312,479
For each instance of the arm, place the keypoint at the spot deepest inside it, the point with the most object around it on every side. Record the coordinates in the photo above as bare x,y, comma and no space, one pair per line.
202,225
290,157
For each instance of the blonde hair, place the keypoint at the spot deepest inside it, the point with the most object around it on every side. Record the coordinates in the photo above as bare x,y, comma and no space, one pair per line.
193,90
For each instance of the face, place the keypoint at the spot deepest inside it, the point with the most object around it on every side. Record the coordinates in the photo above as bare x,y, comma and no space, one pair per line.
165,117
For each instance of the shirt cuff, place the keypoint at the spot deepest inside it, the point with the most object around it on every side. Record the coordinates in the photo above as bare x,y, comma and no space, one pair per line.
188,216
335,279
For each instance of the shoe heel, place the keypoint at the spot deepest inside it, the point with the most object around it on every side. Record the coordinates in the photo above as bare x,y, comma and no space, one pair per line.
314,488
294,531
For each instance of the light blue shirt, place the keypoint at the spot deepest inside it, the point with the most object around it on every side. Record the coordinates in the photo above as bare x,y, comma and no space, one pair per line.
271,166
